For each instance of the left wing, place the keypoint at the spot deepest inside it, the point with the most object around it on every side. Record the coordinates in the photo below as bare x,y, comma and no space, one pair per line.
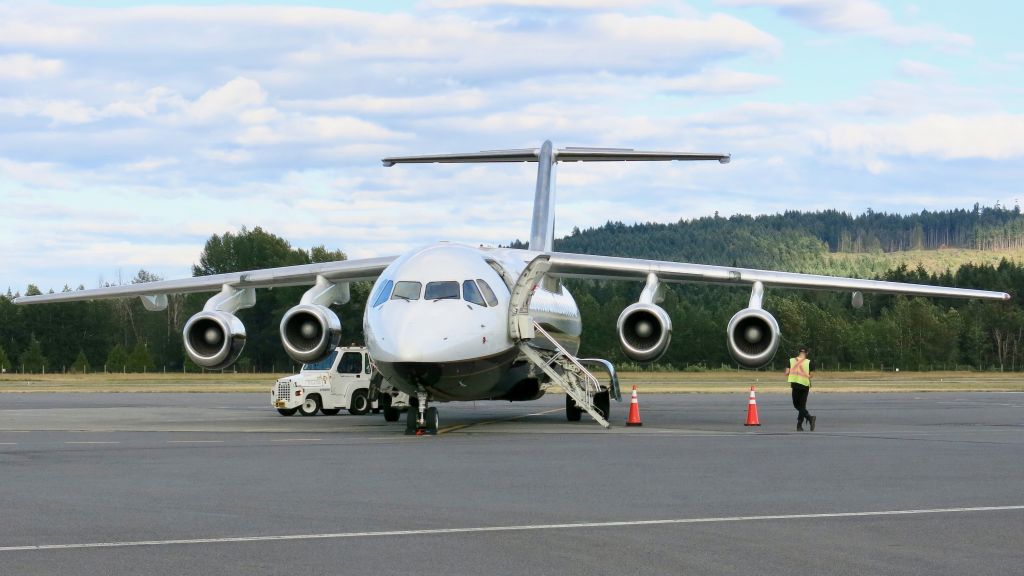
566,265
301,275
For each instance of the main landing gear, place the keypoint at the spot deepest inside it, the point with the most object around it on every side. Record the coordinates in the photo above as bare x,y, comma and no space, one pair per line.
421,420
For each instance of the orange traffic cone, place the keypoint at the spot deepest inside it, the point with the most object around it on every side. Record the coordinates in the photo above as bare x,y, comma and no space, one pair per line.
752,410
634,411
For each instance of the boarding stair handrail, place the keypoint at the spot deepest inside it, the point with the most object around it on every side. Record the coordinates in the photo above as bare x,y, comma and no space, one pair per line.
577,382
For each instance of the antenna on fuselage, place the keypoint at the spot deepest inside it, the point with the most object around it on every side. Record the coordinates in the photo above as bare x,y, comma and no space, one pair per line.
542,231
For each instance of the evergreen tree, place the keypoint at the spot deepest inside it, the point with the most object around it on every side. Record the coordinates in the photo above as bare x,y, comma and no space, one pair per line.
32,358
81,364
117,359
140,360
5,363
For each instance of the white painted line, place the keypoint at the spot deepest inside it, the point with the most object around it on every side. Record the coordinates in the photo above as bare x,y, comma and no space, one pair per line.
92,442
8,443
522,528
297,440
195,441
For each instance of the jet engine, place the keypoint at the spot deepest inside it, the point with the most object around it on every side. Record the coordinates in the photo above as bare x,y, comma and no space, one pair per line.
752,337
214,339
310,332
645,331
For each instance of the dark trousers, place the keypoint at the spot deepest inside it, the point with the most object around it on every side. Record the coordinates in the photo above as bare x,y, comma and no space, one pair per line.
800,393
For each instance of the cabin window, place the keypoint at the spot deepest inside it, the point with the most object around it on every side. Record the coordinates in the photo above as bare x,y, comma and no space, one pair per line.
406,291
351,363
324,364
384,294
470,293
492,300
442,291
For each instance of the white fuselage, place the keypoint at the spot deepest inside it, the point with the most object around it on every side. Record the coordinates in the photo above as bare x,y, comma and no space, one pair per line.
437,321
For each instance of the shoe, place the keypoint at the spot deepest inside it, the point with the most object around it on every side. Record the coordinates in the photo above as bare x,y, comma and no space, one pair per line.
800,424
813,419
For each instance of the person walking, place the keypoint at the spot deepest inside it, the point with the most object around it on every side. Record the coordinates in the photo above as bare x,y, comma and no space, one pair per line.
799,377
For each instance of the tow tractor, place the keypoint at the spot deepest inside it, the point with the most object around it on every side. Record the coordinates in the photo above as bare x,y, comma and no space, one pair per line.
345,379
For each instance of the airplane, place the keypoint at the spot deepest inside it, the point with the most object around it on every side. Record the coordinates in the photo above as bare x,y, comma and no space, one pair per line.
451,322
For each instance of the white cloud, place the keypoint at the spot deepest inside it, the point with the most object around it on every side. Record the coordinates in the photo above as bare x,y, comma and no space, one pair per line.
549,4
717,81
859,16
231,99
28,67
150,164
471,99
992,137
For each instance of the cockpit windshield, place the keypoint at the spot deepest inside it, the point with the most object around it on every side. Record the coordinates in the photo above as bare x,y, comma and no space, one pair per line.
406,291
442,291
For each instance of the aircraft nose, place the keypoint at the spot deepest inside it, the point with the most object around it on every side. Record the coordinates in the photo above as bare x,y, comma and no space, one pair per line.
398,336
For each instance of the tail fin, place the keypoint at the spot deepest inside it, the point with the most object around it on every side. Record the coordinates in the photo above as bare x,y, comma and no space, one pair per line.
542,233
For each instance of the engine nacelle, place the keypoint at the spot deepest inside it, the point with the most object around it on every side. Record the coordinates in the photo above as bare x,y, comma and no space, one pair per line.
645,331
752,337
310,332
214,339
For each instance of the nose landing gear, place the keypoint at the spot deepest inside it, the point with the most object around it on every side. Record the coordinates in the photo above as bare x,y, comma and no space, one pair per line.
421,420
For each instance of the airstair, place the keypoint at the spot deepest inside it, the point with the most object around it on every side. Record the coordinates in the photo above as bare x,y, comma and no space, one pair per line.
547,355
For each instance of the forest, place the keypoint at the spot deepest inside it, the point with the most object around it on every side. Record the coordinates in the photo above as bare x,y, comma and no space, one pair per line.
886,333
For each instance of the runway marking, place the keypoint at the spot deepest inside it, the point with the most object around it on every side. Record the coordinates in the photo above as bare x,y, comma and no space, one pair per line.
298,440
195,441
8,443
93,442
520,528
499,421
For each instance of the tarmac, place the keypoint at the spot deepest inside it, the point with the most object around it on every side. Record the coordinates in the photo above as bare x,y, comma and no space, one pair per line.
221,484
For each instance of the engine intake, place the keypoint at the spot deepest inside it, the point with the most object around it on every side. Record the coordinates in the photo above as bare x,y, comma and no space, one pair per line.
214,339
645,331
310,332
752,337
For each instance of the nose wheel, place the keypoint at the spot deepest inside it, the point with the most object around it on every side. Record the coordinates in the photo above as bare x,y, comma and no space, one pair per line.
421,420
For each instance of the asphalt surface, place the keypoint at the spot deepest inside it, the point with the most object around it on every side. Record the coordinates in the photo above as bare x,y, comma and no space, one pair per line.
221,484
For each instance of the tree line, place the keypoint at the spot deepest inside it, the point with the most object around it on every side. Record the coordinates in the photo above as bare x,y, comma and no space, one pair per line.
887,332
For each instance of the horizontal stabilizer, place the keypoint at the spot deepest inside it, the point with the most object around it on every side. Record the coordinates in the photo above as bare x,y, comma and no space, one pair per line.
572,154
542,233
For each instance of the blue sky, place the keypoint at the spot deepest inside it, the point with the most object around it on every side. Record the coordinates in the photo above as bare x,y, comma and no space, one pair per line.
132,131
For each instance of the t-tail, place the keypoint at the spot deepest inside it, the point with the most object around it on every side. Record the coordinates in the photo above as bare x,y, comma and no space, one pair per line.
542,232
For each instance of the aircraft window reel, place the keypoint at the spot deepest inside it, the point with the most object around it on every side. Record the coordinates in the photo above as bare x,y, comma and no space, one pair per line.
384,294
485,288
446,290
406,291
471,294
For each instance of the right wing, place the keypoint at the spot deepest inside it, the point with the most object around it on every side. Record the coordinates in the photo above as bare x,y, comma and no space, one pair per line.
567,265
301,275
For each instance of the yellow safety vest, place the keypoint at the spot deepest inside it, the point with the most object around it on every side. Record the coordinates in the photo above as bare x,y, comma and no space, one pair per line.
800,373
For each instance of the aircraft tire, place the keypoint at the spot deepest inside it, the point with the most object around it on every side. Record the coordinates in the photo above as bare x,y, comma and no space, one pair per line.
410,421
433,420
602,401
572,412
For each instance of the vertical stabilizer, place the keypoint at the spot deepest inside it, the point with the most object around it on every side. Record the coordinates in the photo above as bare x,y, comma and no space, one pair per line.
542,231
